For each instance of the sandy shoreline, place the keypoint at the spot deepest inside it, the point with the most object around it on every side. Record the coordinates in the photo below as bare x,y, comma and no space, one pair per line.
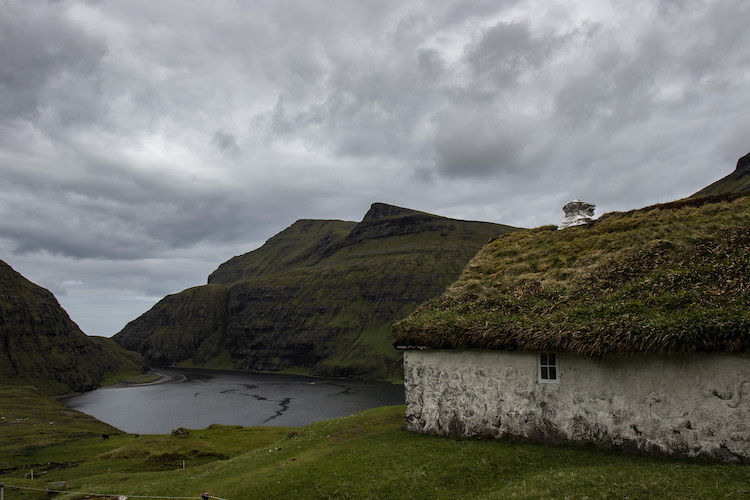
163,379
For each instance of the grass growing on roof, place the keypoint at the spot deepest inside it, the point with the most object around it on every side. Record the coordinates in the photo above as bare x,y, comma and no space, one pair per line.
672,277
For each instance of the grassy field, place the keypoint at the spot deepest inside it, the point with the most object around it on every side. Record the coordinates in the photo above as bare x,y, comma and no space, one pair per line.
365,455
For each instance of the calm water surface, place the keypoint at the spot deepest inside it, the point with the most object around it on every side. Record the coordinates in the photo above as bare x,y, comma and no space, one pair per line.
195,399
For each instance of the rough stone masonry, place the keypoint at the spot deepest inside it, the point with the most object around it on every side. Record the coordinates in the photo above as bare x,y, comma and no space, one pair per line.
686,404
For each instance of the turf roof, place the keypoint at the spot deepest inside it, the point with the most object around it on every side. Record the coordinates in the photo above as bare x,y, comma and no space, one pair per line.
672,277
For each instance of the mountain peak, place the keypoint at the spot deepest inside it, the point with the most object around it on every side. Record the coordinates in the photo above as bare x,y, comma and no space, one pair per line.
381,210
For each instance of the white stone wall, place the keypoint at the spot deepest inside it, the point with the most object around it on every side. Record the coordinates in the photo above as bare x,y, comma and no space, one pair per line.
695,404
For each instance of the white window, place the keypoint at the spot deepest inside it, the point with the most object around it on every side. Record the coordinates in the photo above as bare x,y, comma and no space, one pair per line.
549,370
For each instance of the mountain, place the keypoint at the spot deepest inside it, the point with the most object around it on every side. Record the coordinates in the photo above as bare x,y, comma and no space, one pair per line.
319,297
666,278
736,182
40,345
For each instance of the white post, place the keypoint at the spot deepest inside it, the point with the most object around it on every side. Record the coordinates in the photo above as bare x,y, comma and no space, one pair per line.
2,491
183,464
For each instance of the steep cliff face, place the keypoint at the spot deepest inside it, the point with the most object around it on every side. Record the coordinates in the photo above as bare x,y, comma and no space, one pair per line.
318,297
40,345
191,324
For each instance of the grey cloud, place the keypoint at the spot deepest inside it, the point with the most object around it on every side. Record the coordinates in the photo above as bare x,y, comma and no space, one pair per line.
281,123
366,107
226,143
505,52
720,39
477,145
423,174
430,65
41,49
457,13
104,229
614,91
110,212
689,56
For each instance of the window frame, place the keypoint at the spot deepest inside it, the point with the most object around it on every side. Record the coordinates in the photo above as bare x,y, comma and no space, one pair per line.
543,367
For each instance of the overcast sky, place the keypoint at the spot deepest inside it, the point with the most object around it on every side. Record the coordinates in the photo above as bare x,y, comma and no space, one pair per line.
145,142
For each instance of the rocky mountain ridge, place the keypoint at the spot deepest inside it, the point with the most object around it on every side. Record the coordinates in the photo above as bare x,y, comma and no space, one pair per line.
319,297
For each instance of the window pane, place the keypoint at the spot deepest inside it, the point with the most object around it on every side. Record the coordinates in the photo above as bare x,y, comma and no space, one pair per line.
545,373
552,373
543,359
551,359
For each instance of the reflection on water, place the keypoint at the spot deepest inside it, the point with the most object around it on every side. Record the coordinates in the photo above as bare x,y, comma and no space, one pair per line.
198,398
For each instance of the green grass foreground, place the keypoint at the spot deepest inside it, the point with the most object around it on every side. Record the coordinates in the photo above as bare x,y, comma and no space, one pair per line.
365,455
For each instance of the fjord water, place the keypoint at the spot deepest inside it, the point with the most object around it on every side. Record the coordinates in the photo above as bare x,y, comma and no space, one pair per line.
197,398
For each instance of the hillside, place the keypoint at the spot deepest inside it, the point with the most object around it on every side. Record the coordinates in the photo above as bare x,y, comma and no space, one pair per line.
736,182
365,455
319,297
671,277
40,345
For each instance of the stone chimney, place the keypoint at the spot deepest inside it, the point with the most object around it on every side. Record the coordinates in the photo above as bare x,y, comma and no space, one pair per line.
577,213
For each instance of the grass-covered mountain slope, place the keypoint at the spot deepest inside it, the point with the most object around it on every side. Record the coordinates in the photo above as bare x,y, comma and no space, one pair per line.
671,277
736,182
319,297
40,345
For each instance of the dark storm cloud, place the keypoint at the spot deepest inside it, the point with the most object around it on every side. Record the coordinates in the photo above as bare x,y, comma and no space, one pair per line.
485,132
102,208
505,53
40,51
226,142
430,66
477,145
369,104
117,214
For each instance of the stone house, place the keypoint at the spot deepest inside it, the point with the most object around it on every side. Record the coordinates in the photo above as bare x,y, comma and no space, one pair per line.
645,348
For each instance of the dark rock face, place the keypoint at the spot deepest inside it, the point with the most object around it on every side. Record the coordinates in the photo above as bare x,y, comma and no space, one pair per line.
382,210
320,295
743,164
40,344
408,222
191,324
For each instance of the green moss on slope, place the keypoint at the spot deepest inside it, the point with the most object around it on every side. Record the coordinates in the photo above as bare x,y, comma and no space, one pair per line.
40,345
736,182
189,325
